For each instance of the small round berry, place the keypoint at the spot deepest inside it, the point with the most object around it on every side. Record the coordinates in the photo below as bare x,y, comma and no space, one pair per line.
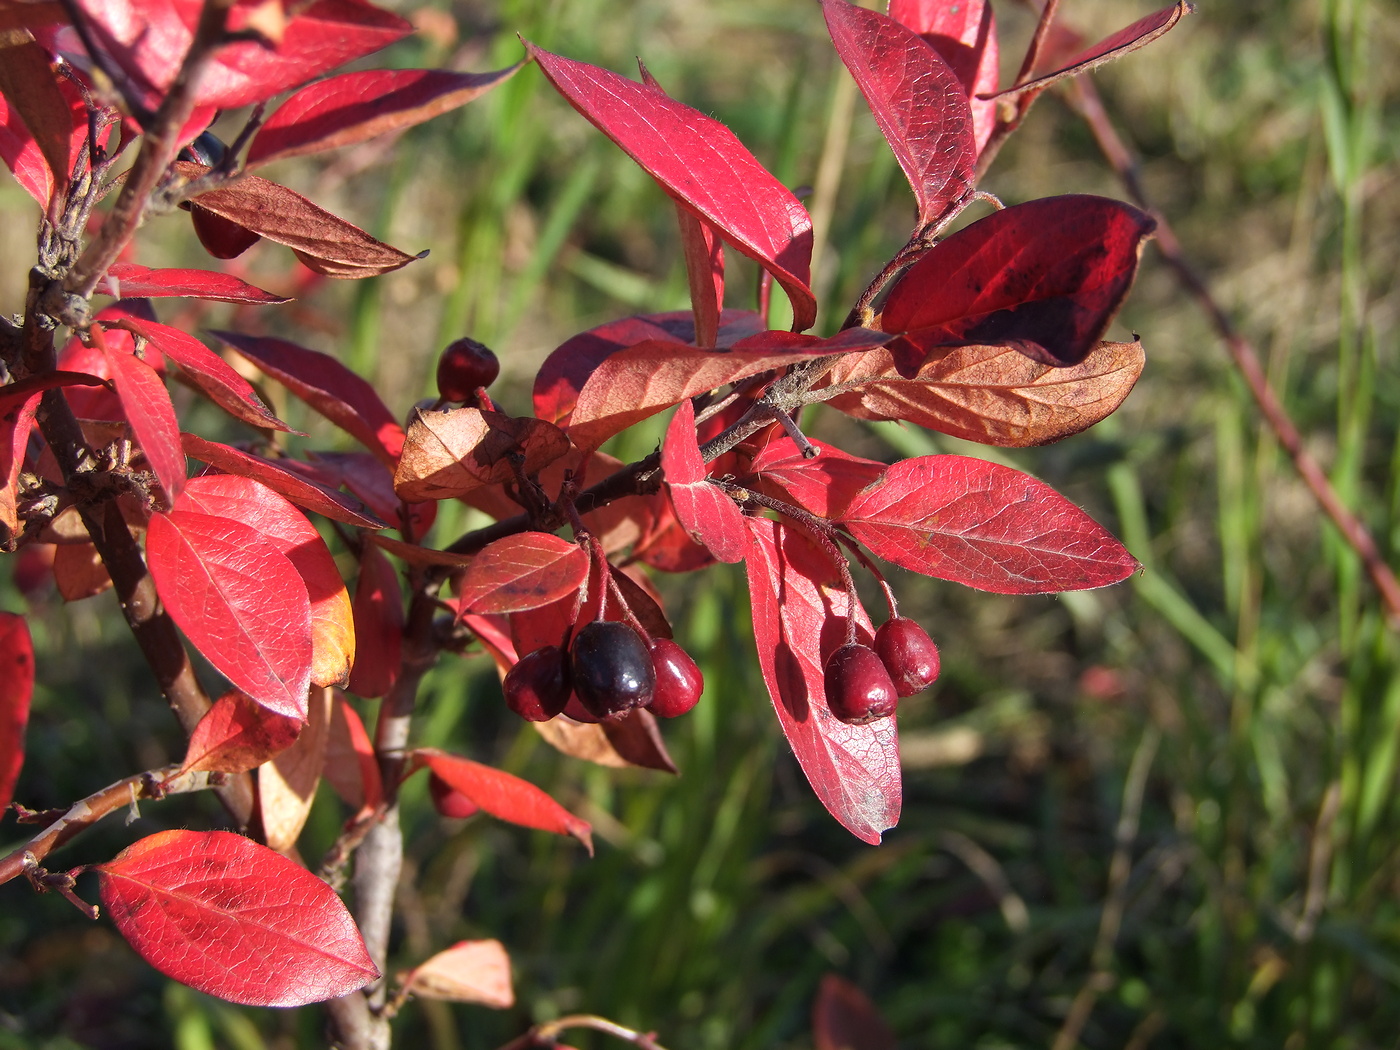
613,672
858,688
678,681
908,654
537,687
448,801
463,368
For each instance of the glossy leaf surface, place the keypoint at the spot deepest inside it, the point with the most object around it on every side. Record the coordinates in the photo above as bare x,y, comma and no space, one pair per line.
468,972
239,600
353,107
234,919
236,735
917,100
986,526
130,280
700,163
799,617
16,691
522,572
708,514
505,796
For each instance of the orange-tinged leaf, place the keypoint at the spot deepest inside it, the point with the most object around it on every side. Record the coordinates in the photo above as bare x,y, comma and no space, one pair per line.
236,735
505,796
287,783
521,572
448,454
234,919
16,691
468,972
14,440
79,572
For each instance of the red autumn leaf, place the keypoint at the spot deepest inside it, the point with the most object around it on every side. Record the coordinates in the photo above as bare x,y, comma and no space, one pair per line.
1046,276
148,40
300,489
209,372
523,571
14,395
236,735
704,267
371,481
79,572
995,395
353,107
986,526
637,740
799,618
642,380
468,972
378,608
449,453
1124,42
286,528
21,151
16,690
234,919
325,243
130,280
917,101
29,86
844,1018
241,602
699,162
329,387
823,484
147,406
965,34
710,517
351,766
504,796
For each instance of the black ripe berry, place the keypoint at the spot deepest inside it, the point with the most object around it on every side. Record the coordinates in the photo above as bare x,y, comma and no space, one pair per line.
858,688
463,367
908,654
613,672
678,681
537,687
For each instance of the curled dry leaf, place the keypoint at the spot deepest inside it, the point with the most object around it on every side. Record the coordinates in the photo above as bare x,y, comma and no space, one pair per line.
15,427
192,903
236,735
448,454
468,972
994,395
287,783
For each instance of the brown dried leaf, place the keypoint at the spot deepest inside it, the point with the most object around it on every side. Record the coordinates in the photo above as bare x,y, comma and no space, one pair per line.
448,454
287,784
468,972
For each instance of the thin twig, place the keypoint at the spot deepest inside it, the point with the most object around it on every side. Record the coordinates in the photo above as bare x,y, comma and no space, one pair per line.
1084,99
547,1035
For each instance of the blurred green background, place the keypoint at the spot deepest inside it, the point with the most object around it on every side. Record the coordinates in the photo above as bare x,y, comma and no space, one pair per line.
1155,815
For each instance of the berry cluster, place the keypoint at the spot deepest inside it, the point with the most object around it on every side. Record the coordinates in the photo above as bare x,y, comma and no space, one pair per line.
863,684
607,671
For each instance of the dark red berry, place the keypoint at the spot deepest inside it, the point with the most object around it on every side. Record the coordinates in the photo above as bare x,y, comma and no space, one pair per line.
537,687
612,668
463,367
448,801
908,654
678,681
858,688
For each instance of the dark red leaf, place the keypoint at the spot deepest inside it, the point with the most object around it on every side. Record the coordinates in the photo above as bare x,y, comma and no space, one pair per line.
452,452
30,14
23,154
917,100
700,163
221,239
236,735
354,107
523,571
16,690
704,267
799,617
327,386
128,279
30,87
708,514
986,526
300,489
965,34
234,919
1046,276
378,608
147,405
209,372
823,484
995,395
504,796
371,481
638,741
149,38
14,440
843,1018
241,602
1124,42
324,242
